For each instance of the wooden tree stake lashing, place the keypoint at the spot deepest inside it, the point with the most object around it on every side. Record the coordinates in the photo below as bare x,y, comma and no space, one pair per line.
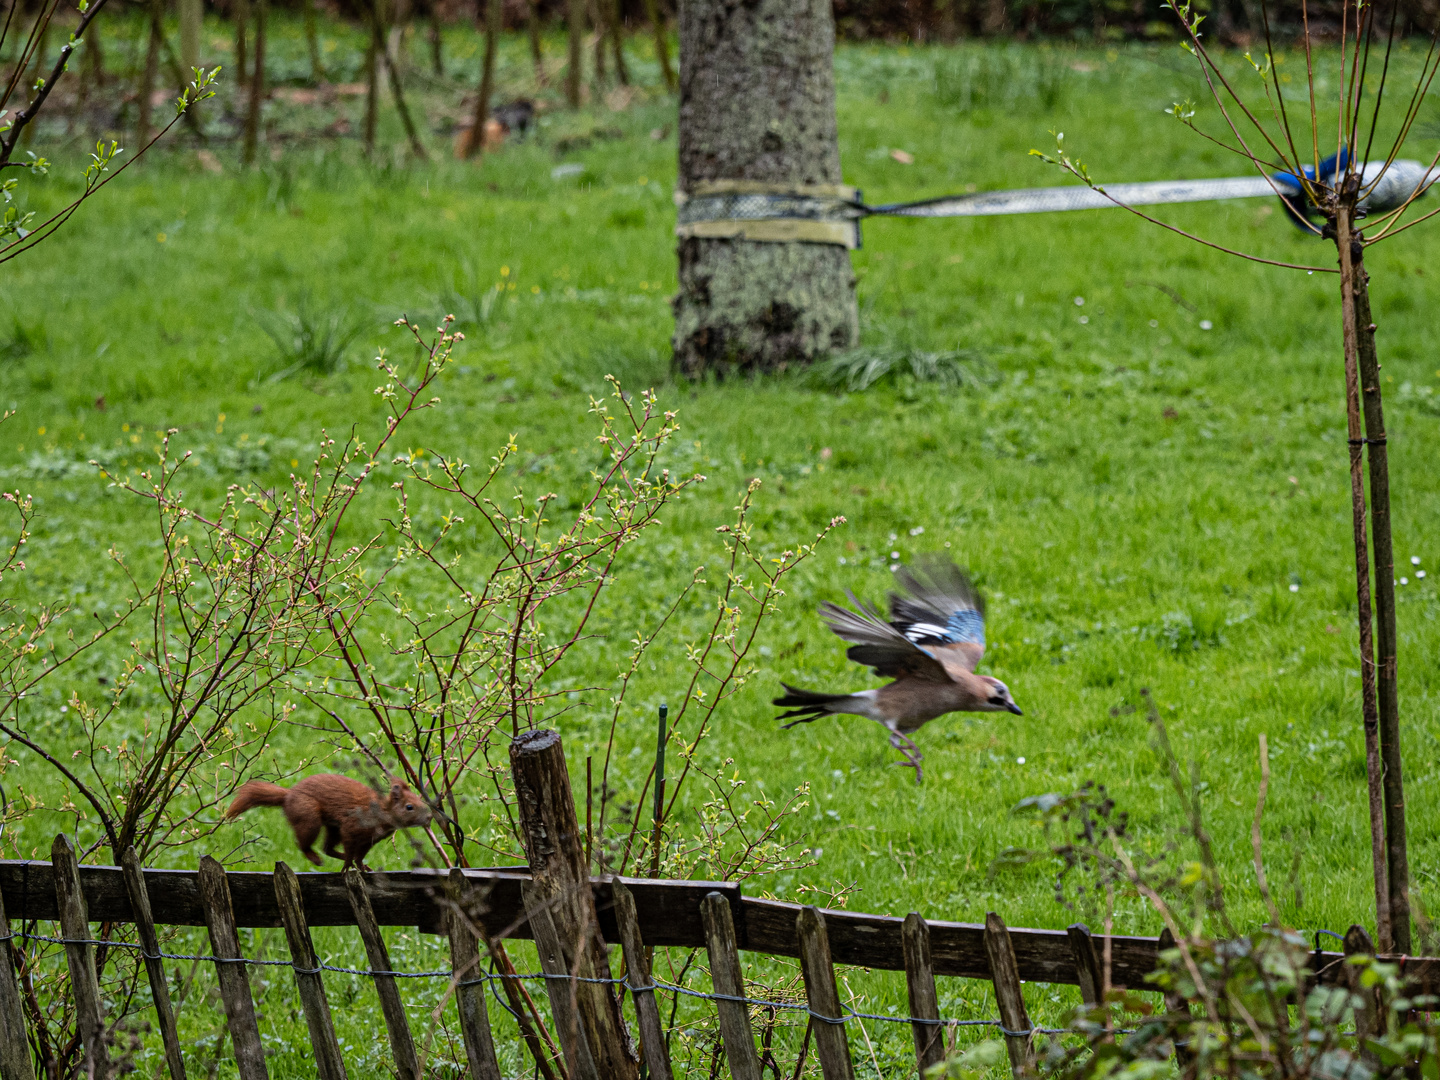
726,979
560,883
402,1044
470,984
920,982
84,984
329,1065
642,986
154,966
824,999
1006,975
230,971
15,1061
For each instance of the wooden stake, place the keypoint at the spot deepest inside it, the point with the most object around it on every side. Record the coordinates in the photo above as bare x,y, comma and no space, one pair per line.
154,966
560,883
1369,707
642,986
726,979
1006,976
84,983
920,982
230,971
402,1044
15,1063
470,989
1397,859
820,991
329,1065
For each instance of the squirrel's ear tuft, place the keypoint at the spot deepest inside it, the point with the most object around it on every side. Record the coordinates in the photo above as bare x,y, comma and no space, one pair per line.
395,790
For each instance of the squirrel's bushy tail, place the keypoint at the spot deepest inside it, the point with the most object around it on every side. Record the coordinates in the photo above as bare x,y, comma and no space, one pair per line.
254,793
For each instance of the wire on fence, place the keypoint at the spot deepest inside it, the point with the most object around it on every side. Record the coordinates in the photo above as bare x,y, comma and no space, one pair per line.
541,976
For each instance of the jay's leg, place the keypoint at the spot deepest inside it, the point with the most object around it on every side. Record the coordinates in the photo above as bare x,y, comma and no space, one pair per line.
912,753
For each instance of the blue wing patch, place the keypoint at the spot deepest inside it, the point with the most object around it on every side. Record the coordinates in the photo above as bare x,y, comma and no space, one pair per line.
966,625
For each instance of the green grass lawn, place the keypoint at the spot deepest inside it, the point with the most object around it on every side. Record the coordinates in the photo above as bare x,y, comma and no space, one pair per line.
1147,476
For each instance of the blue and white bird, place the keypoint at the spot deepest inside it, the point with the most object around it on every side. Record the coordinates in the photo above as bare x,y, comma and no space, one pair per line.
930,646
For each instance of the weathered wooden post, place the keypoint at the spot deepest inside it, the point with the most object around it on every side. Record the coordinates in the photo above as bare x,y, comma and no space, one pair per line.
757,118
924,1002
80,956
560,885
1005,973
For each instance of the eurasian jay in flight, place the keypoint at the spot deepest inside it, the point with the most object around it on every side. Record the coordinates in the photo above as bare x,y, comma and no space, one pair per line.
930,646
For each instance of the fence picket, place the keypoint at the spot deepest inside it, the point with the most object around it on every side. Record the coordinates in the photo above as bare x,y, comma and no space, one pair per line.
920,983
84,983
831,1046
726,978
466,963
1087,964
15,1061
1176,1003
642,987
230,971
564,998
329,1065
402,1043
1006,976
154,966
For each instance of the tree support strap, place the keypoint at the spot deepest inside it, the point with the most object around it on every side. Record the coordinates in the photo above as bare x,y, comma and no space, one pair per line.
831,213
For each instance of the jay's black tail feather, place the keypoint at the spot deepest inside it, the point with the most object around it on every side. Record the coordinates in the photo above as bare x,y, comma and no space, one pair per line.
805,705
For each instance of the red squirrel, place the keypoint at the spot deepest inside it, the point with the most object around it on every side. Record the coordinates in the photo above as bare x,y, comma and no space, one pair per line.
354,815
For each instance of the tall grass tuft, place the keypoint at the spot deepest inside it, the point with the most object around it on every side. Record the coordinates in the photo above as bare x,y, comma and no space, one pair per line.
860,369
309,340
1008,78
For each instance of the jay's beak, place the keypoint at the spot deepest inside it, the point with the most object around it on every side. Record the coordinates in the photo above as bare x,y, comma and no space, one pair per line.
1015,709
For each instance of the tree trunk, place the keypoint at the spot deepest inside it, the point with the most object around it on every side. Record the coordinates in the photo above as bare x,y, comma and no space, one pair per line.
372,84
537,53
312,40
192,16
662,41
1369,710
1397,857
757,103
151,70
475,140
240,12
437,41
574,71
617,39
257,85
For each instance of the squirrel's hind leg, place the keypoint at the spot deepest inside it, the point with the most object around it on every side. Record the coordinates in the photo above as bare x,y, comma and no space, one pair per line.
332,844
306,834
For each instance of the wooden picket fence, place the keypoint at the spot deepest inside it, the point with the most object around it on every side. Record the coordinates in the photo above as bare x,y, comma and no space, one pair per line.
553,903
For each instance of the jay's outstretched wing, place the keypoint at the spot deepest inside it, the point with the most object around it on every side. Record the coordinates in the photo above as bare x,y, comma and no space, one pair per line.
943,614
880,645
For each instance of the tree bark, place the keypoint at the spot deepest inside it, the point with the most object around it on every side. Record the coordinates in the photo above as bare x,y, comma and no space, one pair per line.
574,71
537,53
757,102
312,40
476,139
1369,708
1377,457
257,86
151,70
